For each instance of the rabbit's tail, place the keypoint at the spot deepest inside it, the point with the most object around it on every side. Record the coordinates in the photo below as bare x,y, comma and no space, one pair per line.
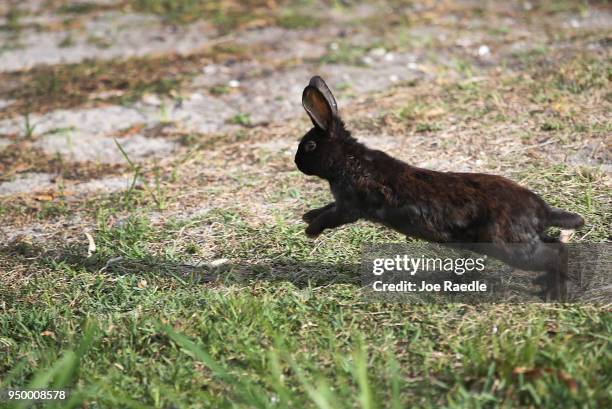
563,219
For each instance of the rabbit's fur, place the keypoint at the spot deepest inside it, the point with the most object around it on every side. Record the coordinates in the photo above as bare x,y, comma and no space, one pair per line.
441,207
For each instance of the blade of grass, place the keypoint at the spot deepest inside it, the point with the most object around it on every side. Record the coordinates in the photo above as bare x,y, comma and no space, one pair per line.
246,392
284,394
136,169
396,402
321,395
361,373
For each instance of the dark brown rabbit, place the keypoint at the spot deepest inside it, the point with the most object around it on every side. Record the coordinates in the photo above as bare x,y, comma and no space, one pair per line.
441,207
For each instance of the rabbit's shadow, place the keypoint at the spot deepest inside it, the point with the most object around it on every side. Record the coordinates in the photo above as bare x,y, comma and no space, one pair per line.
299,273
283,269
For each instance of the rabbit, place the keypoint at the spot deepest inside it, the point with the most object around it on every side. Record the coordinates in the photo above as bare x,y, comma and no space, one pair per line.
440,207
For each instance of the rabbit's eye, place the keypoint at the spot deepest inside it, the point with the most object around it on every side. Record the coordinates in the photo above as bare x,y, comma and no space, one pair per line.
310,146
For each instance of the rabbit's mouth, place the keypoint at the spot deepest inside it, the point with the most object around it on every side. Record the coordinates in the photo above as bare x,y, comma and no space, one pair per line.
302,166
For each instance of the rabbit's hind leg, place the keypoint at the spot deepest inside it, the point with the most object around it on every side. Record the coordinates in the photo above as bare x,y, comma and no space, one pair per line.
551,256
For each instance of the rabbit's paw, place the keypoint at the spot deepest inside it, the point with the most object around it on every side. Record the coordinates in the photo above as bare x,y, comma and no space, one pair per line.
313,231
310,215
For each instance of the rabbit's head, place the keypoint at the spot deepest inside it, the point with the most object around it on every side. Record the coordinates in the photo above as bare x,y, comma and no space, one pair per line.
321,149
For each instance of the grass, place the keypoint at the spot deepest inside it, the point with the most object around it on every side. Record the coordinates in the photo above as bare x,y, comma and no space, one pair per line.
45,88
228,16
64,86
345,53
182,11
28,126
237,351
12,17
285,325
292,19
220,90
240,119
420,116
49,87
81,8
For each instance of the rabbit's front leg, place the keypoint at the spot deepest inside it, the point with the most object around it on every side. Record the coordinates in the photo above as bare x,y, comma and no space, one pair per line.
328,219
312,214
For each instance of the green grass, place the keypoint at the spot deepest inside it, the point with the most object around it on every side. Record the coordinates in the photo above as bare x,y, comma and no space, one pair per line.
80,8
138,324
240,119
182,11
345,53
292,19
45,88
263,344
228,16
220,90
12,20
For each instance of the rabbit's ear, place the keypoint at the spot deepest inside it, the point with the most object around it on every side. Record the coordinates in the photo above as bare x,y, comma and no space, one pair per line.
319,103
319,84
